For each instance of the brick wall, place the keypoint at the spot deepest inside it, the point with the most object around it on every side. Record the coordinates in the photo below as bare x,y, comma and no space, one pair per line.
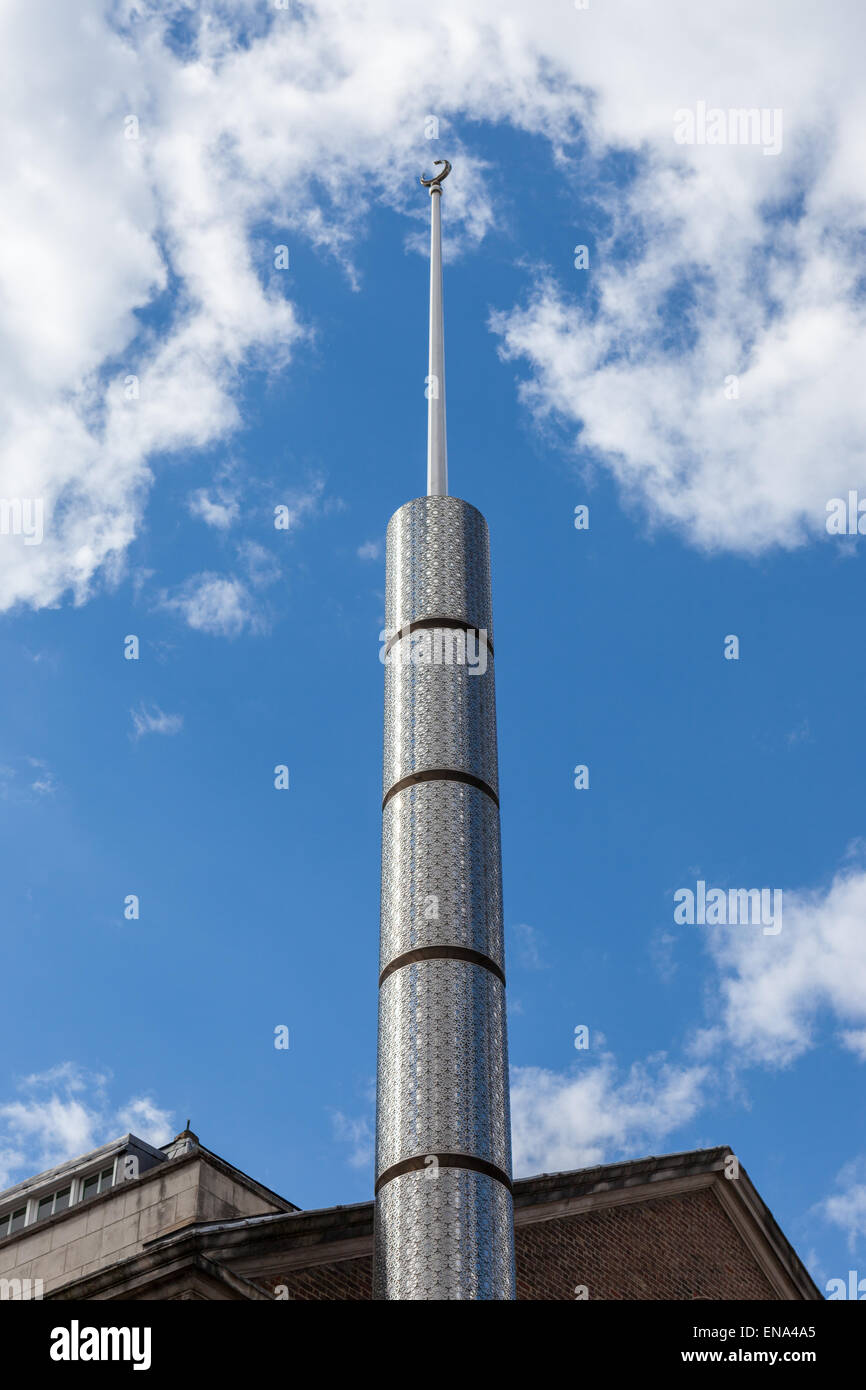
680,1247
344,1280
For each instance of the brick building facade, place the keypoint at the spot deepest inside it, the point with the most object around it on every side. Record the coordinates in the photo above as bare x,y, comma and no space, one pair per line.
180,1223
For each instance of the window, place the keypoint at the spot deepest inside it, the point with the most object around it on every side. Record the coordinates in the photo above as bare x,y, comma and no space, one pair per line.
54,1202
97,1182
12,1221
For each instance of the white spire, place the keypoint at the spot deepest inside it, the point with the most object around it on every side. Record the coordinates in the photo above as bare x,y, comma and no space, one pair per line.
437,448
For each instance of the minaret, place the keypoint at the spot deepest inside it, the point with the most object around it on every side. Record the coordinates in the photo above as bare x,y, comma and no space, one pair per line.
444,1217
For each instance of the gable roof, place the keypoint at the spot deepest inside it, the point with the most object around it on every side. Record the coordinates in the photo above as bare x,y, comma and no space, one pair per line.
256,1249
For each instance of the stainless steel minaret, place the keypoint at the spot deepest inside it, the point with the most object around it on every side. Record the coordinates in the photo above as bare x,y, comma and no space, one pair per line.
444,1218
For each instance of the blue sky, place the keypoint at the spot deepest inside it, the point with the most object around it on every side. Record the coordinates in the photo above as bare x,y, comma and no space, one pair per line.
259,647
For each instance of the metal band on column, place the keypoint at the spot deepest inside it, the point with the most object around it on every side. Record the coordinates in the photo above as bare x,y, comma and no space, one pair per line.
444,1218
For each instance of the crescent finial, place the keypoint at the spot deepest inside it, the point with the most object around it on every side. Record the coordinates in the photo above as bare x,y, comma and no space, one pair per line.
436,180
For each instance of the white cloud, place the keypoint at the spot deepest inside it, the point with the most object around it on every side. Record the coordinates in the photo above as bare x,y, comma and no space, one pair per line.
308,501
261,565
70,1076
847,1208
145,1119
357,1132
528,942
64,1112
370,550
92,224
43,783
855,1040
774,989
220,511
633,354
299,120
219,605
595,1115
770,994
154,721
227,605
38,780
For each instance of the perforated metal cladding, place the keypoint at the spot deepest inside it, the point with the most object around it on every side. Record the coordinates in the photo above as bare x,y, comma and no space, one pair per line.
442,1072
438,564
444,1237
443,1082
441,871
438,717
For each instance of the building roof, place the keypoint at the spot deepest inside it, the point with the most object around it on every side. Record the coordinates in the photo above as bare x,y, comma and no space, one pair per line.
236,1237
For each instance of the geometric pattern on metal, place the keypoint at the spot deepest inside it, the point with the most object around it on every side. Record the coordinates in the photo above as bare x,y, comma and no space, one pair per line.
438,563
441,953
441,854
439,716
442,1088
443,1082
444,1237
423,1161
